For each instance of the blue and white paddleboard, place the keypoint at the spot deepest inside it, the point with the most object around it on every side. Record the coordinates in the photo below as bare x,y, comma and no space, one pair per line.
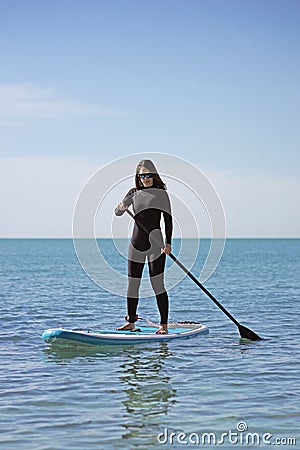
104,337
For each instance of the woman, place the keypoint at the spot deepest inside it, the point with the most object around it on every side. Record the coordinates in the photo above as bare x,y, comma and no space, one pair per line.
149,200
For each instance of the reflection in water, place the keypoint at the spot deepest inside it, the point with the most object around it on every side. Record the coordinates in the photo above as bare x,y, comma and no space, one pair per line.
62,353
143,384
245,346
149,393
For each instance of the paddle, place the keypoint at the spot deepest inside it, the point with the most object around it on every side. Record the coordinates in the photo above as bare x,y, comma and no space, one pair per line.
244,331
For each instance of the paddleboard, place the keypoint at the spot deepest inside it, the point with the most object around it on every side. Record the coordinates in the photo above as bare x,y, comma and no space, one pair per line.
105,337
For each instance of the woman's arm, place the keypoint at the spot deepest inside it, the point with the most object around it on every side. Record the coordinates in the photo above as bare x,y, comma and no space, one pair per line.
168,225
125,203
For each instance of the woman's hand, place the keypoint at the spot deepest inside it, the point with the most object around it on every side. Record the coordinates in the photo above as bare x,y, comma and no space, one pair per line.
167,249
121,207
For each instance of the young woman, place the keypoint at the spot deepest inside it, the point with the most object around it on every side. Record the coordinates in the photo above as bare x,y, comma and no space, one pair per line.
149,200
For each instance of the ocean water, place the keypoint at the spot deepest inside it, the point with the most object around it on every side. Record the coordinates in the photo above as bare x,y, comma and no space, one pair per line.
213,391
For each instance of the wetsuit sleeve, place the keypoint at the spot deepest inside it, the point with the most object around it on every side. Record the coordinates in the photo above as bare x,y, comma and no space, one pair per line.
168,220
127,200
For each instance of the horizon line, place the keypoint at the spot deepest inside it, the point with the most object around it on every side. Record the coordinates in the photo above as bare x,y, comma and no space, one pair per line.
125,238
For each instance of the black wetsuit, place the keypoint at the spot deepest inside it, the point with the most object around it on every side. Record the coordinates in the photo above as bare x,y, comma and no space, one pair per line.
148,204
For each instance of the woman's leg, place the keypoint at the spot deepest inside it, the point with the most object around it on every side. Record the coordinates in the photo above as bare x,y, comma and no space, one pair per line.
136,262
135,270
156,270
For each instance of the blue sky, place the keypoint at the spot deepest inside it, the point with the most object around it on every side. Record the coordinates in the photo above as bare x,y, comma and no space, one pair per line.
212,81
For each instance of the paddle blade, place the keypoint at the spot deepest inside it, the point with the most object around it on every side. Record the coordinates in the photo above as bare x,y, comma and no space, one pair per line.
248,334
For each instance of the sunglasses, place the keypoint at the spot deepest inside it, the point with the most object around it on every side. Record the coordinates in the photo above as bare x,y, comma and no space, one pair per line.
145,175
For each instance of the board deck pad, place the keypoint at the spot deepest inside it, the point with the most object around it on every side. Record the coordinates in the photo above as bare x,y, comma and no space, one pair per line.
103,337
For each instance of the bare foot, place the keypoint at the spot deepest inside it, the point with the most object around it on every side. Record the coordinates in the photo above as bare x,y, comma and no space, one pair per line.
163,329
127,326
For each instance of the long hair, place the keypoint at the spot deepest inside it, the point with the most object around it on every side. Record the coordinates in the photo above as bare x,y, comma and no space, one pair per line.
148,165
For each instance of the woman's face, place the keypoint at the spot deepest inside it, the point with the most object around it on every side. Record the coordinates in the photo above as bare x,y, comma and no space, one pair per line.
146,177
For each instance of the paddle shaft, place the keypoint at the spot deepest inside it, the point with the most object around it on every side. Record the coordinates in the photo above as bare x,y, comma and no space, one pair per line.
204,289
244,332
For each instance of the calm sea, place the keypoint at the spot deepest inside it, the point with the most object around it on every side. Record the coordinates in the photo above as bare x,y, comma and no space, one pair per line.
213,391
